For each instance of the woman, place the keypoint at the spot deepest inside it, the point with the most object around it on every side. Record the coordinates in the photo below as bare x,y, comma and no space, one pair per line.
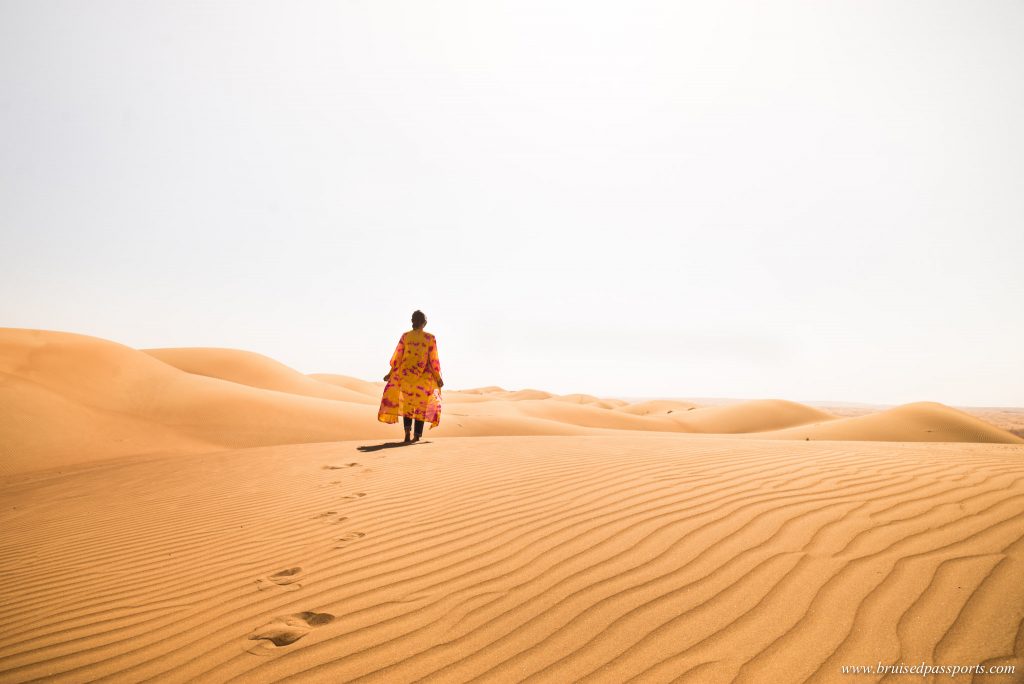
413,388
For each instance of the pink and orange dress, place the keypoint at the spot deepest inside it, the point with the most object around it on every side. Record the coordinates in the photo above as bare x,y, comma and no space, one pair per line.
412,388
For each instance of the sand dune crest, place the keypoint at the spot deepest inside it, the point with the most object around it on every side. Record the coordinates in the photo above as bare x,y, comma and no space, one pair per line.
253,370
924,421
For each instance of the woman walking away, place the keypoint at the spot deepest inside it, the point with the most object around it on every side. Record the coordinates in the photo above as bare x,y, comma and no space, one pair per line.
413,388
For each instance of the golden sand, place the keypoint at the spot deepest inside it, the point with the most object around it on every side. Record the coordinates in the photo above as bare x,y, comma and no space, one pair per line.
212,515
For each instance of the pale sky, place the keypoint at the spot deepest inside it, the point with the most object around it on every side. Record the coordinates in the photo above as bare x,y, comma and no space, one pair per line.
797,200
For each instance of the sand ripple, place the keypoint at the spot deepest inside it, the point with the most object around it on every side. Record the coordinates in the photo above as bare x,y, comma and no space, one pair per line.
635,558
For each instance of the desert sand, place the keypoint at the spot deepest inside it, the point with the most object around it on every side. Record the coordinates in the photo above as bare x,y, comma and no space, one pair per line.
213,515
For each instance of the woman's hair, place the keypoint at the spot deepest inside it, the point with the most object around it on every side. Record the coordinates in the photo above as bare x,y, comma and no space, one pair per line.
418,319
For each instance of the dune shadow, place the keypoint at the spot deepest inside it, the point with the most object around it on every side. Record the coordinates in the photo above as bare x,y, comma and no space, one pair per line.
388,445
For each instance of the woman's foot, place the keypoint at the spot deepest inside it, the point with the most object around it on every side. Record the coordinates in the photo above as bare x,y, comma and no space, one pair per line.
407,437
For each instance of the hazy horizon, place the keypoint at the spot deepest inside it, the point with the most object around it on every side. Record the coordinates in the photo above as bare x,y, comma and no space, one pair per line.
812,202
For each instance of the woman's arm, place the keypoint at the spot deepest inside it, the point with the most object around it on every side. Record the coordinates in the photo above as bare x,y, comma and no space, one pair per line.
434,362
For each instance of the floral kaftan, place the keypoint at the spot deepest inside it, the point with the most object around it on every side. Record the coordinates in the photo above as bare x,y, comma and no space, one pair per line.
412,388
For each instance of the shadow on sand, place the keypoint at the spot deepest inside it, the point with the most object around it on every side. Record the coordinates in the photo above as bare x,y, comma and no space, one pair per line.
388,445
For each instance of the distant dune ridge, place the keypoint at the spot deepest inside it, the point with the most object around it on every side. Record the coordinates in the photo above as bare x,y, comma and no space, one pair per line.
111,400
256,370
212,515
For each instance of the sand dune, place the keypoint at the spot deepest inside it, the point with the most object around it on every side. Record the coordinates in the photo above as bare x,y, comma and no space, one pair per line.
584,415
525,394
212,515
924,421
41,428
656,406
112,394
590,399
490,389
110,400
630,557
750,416
1011,419
255,370
370,389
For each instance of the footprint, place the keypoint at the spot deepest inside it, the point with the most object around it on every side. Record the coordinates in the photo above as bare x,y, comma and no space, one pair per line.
340,467
285,579
285,630
349,537
332,516
356,495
